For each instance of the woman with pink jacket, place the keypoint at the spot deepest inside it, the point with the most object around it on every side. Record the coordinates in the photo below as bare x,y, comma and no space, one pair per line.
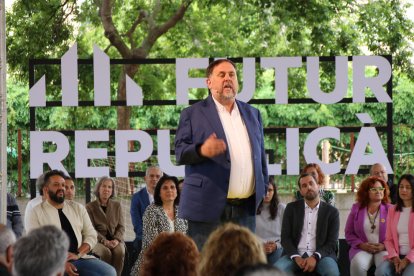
366,225
399,237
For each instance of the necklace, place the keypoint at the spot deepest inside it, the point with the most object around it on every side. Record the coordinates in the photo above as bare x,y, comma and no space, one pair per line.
372,219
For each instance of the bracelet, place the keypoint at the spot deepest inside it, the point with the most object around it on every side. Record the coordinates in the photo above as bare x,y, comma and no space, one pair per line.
316,256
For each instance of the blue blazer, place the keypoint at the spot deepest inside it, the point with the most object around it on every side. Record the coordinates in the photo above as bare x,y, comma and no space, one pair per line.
206,180
139,204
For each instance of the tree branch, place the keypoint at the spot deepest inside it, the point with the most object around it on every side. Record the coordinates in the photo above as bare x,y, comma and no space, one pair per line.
155,32
142,14
105,12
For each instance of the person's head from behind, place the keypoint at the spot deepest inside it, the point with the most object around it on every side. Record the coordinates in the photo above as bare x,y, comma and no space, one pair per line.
55,186
180,185
316,171
380,171
372,189
228,248
166,190
405,192
7,239
171,254
42,252
105,189
152,175
70,189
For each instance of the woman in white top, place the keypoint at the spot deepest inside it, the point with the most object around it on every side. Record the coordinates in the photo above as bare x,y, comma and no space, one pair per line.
269,222
160,216
399,237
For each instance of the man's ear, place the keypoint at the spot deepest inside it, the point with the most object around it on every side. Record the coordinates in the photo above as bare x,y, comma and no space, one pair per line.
208,82
9,255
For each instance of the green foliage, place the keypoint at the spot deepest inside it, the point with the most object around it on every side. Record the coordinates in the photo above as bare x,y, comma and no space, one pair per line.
212,28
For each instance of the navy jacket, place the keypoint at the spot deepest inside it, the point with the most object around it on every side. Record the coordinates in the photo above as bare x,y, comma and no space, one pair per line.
139,203
206,180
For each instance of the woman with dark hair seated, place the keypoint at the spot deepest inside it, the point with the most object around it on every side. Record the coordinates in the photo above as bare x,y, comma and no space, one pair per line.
269,222
171,254
108,220
160,216
366,225
399,238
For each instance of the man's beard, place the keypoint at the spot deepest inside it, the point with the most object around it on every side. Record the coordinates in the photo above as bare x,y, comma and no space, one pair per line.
310,195
55,198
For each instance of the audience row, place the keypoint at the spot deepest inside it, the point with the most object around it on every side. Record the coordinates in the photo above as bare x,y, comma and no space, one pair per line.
301,236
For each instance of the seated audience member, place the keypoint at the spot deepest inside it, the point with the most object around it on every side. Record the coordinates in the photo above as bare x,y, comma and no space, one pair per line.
70,189
139,202
259,270
161,216
366,225
269,222
73,219
171,254
14,218
316,171
380,171
309,232
40,184
399,237
229,248
42,252
108,220
180,185
7,239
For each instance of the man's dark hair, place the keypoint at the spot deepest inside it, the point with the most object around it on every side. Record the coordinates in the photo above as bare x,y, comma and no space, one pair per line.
213,65
51,173
304,175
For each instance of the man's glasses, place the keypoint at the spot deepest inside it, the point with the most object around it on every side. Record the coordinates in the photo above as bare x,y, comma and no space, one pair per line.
379,189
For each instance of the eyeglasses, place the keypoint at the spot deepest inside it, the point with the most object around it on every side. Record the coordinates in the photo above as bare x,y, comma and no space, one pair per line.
379,189
405,187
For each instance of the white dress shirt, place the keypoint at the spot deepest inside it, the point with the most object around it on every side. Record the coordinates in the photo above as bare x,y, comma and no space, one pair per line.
241,183
307,241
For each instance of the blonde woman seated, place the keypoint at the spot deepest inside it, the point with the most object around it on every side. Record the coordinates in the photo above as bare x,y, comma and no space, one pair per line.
366,225
229,248
160,216
399,238
108,220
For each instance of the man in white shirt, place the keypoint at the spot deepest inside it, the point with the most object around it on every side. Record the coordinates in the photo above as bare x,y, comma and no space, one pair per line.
220,142
309,233
72,218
